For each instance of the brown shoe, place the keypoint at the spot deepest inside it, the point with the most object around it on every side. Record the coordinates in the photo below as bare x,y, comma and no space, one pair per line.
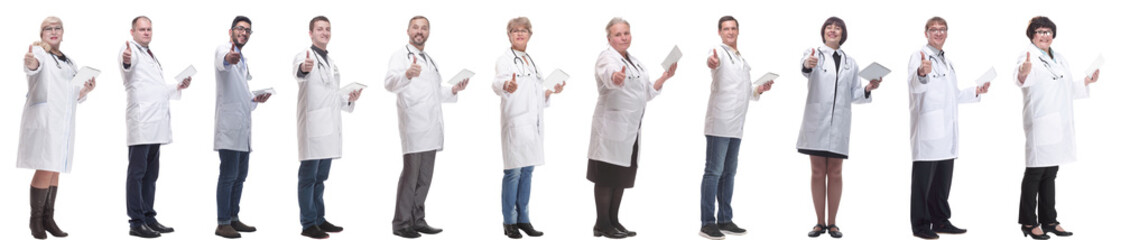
38,199
48,214
227,231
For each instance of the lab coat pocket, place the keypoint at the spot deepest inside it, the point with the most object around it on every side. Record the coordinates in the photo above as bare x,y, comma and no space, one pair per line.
521,135
1047,130
321,122
614,127
35,117
932,125
230,118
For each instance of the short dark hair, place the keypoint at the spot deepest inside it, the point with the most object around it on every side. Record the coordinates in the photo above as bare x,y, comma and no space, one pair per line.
1041,22
311,25
137,19
934,20
240,19
720,25
419,17
840,23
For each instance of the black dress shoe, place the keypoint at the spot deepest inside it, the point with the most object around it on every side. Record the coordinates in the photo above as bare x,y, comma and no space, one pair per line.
1050,228
834,233
156,226
314,232
226,231
1027,232
528,228
731,228
425,229
926,234
143,231
511,231
331,228
624,230
819,230
948,228
406,233
241,227
609,233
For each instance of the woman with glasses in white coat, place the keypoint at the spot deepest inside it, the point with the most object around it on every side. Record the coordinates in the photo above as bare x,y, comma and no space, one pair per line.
524,98
1049,92
46,136
624,88
833,87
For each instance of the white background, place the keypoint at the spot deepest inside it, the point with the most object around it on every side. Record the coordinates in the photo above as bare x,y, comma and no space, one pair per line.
772,200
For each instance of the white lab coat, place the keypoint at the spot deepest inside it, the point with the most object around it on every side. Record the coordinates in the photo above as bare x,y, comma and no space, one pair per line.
731,91
46,136
319,108
420,117
934,106
148,116
234,104
1049,93
618,116
828,116
523,112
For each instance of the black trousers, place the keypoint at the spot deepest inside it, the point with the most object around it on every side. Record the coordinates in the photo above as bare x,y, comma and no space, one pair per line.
930,193
140,187
1038,183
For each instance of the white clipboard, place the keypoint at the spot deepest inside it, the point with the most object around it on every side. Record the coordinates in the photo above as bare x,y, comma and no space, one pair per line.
874,71
459,77
673,57
766,78
84,74
557,77
186,73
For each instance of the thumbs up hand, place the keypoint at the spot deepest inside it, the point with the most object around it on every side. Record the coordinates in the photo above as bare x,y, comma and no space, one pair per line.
1025,68
308,63
413,71
511,85
29,59
618,77
713,61
925,68
126,56
233,57
811,61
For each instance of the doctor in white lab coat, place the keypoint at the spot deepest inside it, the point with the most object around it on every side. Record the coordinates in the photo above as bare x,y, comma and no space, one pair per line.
624,88
833,87
46,136
732,92
148,118
932,83
414,76
318,125
1050,89
233,123
524,97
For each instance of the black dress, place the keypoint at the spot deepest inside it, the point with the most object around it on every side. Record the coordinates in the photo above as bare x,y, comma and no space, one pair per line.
611,175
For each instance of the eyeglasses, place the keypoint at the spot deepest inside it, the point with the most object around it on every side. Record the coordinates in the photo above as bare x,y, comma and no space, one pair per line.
937,30
51,29
522,31
1044,32
244,29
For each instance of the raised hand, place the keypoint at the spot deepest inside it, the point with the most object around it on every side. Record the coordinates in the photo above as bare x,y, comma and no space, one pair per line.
308,63
413,71
126,56
618,77
233,57
713,61
29,59
925,68
811,61
511,85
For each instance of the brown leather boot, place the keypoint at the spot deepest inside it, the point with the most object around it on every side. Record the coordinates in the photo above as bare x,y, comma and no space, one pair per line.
38,199
48,214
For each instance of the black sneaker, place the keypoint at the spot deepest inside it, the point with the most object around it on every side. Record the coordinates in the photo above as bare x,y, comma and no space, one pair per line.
948,228
926,234
711,231
731,228
331,228
314,232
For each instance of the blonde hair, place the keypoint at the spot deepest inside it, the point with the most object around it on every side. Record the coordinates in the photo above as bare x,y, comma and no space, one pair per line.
519,21
616,20
46,22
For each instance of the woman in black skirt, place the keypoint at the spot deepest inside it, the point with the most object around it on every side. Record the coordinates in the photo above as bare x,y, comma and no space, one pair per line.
624,88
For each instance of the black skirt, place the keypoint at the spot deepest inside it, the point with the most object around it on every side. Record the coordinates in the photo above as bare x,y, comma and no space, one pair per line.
820,153
611,175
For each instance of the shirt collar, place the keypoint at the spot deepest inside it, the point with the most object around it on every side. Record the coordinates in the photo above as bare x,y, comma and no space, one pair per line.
321,52
138,46
934,52
828,51
413,49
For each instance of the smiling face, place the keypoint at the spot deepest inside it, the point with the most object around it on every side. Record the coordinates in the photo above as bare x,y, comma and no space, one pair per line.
619,36
729,32
240,33
1043,37
833,35
52,34
418,32
142,31
320,34
936,35
519,37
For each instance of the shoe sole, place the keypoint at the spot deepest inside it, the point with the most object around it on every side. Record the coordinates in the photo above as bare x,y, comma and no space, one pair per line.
229,237
710,237
733,233
138,235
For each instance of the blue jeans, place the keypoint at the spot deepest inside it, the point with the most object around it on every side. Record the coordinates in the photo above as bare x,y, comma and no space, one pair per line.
515,194
310,191
721,158
140,185
231,177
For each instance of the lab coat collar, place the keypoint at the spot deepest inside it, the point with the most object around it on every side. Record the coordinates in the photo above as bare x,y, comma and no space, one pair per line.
413,49
730,49
321,52
934,52
517,53
143,49
828,51
1050,55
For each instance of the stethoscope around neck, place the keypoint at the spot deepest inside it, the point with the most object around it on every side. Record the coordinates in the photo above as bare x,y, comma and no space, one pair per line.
637,73
821,57
1054,76
522,69
410,56
930,56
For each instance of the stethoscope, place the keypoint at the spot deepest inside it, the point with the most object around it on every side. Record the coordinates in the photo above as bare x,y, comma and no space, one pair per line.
319,62
930,56
821,57
637,74
411,56
1050,70
730,58
522,69
57,64
153,56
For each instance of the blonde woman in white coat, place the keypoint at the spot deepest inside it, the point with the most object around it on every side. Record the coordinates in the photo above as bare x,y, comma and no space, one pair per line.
833,87
46,139
1049,92
524,98
624,88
